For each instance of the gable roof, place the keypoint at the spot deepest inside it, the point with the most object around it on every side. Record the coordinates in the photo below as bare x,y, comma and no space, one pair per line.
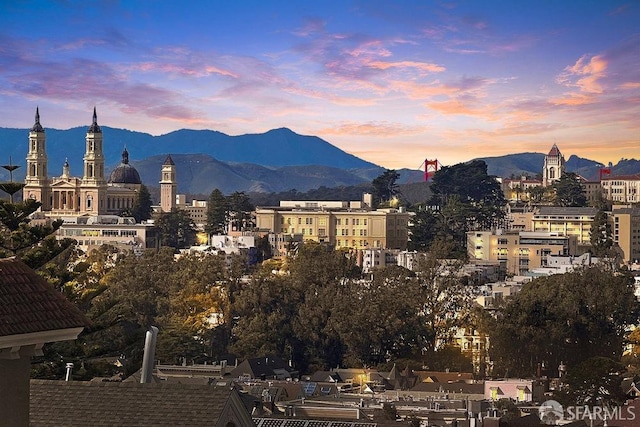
28,304
82,403
268,367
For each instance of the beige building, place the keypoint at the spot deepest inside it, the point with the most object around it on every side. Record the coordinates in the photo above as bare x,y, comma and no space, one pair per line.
91,194
566,221
625,232
622,189
518,252
351,225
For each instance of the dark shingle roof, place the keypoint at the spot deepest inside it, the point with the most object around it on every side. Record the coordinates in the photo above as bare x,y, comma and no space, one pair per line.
29,304
81,403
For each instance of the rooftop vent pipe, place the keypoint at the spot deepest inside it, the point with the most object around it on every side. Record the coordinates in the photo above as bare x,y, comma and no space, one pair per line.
149,355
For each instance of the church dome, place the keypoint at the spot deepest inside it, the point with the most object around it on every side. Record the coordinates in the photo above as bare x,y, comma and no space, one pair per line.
125,173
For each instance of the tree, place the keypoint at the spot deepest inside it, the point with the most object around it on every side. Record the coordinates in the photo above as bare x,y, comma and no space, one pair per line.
142,208
445,298
536,194
564,318
601,237
385,187
464,198
217,207
594,382
176,229
239,211
569,191
423,230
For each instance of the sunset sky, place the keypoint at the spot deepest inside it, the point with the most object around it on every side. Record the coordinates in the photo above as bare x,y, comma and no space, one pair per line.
392,82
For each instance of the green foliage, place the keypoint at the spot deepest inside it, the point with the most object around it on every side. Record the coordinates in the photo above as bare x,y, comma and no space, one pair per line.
142,208
217,206
234,210
18,237
564,318
569,191
594,382
600,237
464,197
385,187
176,229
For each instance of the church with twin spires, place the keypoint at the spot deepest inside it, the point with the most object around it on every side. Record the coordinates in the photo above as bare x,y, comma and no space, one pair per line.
91,194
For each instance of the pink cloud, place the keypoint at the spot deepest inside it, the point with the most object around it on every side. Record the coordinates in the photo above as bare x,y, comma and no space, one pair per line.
422,66
590,72
372,129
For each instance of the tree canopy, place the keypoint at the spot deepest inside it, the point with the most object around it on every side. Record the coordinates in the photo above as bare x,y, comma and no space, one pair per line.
464,197
564,318
385,187
176,229
569,191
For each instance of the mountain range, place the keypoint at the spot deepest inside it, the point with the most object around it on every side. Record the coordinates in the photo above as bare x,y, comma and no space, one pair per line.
275,161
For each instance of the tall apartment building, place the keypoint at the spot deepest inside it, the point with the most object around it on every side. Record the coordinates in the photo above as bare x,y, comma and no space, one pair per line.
625,230
518,252
351,225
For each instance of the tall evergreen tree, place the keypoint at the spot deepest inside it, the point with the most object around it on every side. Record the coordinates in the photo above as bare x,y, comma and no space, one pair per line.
142,209
217,212
176,229
601,239
569,191
239,211
385,187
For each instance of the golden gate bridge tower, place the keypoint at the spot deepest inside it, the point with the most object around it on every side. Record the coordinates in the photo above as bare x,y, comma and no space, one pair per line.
430,167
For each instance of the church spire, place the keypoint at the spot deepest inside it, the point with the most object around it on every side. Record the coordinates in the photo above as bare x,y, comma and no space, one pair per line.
37,127
94,126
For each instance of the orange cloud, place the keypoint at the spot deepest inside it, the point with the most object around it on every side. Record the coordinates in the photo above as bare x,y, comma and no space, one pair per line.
455,106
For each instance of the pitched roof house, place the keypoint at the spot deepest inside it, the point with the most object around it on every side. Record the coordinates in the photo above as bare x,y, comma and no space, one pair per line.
129,404
32,313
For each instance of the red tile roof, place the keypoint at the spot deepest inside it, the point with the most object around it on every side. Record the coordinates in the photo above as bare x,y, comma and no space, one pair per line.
633,177
29,304
555,151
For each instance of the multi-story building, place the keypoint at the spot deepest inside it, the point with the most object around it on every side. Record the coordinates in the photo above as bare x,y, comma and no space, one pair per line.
91,194
622,188
566,221
352,225
518,252
625,232
91,232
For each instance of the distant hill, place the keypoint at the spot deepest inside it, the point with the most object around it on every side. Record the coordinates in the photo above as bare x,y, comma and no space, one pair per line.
530,164
275,161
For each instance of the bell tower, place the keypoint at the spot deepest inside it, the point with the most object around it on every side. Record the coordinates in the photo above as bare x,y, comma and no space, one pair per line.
93,188
168,185
553,167
37,185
